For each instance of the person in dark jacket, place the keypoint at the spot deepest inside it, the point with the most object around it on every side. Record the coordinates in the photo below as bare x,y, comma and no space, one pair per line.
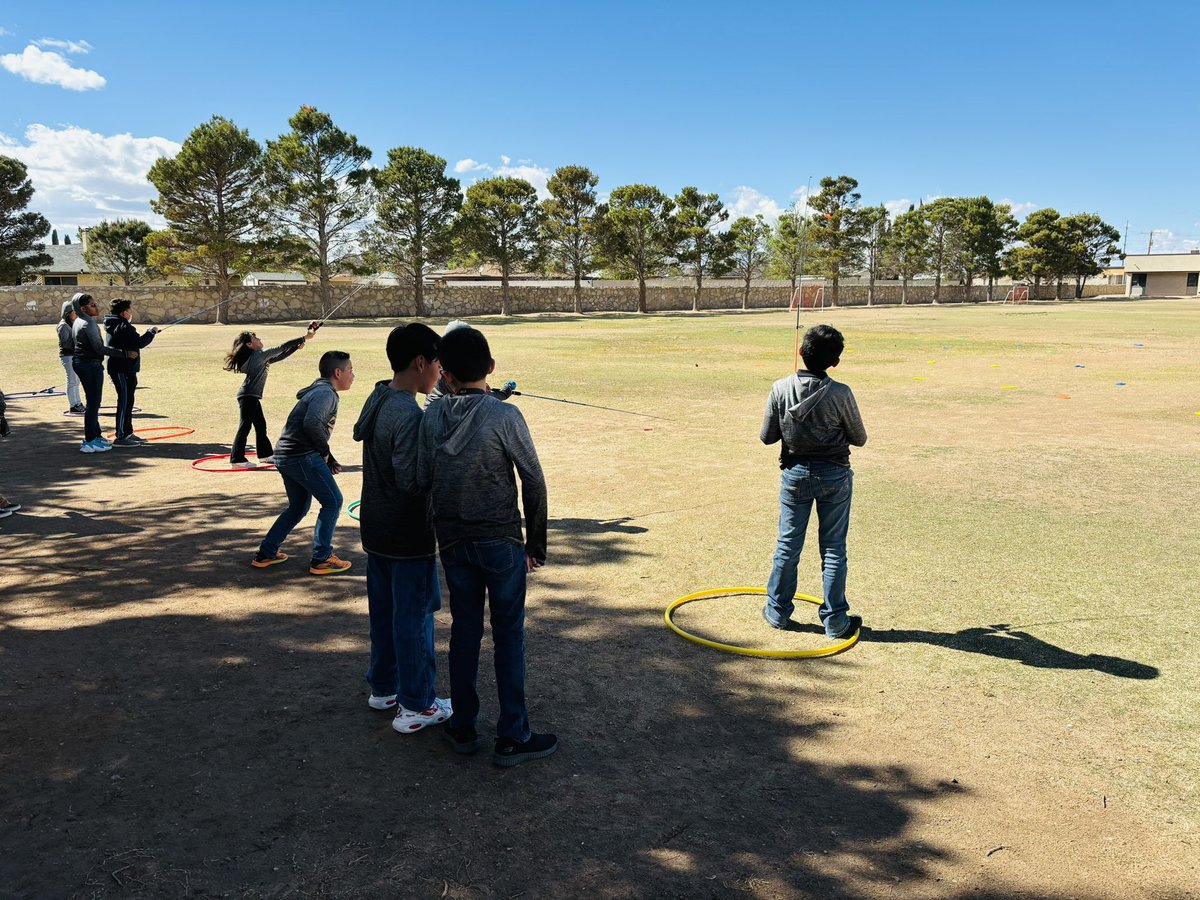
250,359
66,356
7,508
306,463
396,525
122,370
89,351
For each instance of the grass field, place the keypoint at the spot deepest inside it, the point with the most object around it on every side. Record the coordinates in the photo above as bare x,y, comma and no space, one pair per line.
1017,720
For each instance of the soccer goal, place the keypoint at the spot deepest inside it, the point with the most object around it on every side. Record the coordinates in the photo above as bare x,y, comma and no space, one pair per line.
1018,294
808,296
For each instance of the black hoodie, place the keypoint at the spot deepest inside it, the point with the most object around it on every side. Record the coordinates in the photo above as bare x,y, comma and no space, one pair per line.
123,336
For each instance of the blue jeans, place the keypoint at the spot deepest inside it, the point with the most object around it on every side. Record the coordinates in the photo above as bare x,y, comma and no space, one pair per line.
402,596
497,567
91,376
126,385
305,477
829,486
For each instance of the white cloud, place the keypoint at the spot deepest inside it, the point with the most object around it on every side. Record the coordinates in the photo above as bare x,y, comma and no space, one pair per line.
505,160
746,201
1166,241
80,177
467,165
47,67
69,46
4,32
1020,209
897,207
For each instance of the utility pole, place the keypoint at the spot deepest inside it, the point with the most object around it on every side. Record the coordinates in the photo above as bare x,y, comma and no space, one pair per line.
1125,242
1150,243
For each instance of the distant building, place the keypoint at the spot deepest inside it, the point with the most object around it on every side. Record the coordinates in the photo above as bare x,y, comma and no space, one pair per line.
1163,274
259,279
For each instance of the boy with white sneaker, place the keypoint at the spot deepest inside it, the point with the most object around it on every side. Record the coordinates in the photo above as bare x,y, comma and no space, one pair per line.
396,524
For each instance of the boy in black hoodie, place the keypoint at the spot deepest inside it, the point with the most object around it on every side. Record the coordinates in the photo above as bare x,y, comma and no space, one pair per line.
306,463
122,370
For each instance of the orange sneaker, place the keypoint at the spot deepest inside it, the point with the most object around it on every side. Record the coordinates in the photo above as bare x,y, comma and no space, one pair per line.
330,566
260,562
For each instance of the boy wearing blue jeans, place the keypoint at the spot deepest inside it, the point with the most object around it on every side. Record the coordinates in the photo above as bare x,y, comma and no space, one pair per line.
816,420
306,463
469,446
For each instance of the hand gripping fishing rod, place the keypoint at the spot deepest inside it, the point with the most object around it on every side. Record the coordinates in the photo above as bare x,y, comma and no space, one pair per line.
511,388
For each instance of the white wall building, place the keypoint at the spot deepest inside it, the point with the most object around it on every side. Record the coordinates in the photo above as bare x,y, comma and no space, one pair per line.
1163,274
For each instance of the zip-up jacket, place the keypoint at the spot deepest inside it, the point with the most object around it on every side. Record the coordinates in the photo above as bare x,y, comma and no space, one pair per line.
89,343
395,517
123,336
255,367
470,443
815,417
310,423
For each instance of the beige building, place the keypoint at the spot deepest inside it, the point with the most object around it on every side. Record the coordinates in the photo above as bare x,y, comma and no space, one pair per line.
1163,274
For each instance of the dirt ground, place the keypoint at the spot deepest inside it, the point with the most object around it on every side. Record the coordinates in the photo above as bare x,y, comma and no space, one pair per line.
1018,720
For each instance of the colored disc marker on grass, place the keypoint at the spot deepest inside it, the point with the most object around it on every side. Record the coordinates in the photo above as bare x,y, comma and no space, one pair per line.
199,466
752,651
352,510
176,431
1062,396
1008,387
1120,384
919,378
1078,366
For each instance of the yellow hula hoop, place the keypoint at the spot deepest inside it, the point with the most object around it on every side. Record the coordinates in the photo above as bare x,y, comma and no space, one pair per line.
751,651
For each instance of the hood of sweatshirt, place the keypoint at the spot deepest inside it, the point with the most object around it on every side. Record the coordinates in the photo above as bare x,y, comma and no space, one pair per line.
318,385
459,417
813,389
75,302
364,428
67,307
111,322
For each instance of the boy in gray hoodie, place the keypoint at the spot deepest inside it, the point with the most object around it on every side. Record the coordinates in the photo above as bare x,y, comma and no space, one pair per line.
303,458
66,355
470,444
815,419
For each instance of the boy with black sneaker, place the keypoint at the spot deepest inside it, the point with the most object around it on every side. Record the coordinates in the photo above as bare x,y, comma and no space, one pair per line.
122,370
470,443
817,420
396,524
306,463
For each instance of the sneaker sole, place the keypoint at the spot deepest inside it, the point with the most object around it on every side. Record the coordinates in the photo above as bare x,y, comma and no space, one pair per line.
312,571
265,563
517,758
414,727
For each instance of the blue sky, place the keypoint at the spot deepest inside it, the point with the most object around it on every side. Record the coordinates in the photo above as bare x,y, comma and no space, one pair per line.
1086,107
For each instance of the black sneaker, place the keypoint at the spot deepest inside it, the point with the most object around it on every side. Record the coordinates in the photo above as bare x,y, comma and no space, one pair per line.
512,753
463,739
852,625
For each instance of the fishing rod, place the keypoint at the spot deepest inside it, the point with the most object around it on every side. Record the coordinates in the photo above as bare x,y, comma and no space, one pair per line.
803,246
30,395
511,388
201,312
317,323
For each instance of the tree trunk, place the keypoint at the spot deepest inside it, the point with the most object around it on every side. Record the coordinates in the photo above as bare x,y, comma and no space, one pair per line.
937,286
419,292
991,287
696,295
746,294
578,296
505,306
871,288
1078,287
967,293
834,299
1058,289
223,291
641,293
904,290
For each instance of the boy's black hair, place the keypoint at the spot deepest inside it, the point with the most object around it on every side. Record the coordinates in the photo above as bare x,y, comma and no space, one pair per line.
822,347
330,360
407,342
465,354
119,306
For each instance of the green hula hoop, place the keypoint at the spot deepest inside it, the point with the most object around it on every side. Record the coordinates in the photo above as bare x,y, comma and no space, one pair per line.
751,651
352,510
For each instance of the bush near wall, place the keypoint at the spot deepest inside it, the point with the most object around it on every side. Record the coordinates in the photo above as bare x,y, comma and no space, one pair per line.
39,305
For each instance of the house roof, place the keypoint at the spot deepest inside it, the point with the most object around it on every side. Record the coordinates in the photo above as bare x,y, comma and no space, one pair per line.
67,259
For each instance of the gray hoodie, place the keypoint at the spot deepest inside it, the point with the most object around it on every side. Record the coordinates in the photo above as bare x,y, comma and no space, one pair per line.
310,423
470,443
66,336
815,417
89,342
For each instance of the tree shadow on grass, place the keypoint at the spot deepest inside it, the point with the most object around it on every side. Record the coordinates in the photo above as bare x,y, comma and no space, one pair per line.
1002,642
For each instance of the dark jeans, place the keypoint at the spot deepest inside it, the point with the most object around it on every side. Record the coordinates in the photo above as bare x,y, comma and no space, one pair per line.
91,376
126,385
497,568
402,596
305,477
251,416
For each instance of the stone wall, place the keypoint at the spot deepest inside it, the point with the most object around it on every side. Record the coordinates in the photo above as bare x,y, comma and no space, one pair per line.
35,305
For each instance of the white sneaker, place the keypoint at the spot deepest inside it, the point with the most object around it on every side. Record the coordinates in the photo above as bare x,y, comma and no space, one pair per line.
87,447
248,464
267,460
10,508
387,702
407,721
100,446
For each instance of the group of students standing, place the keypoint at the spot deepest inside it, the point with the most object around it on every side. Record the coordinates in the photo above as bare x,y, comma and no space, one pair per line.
436,481
82,350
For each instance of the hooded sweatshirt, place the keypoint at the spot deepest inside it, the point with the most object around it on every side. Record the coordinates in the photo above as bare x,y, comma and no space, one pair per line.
123,336
66,339
395,517
816,418
89,342
310,423
255,367
470,442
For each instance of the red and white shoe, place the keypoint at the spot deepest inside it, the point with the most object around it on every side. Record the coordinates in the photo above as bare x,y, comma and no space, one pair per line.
407,721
